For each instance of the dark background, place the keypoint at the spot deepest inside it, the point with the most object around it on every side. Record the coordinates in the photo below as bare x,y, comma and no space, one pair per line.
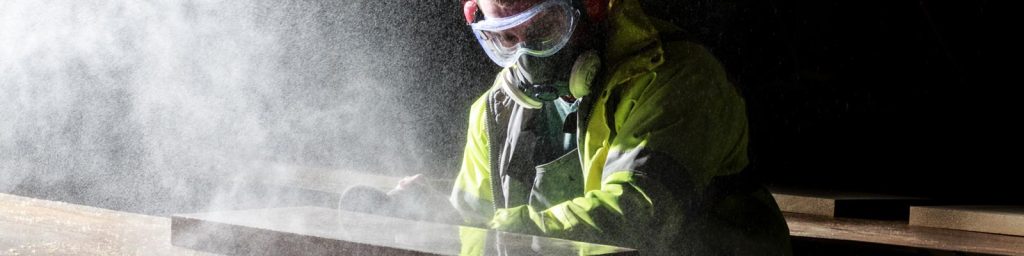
894,97
877,96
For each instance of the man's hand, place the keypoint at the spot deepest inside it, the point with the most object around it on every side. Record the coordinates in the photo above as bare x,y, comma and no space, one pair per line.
394,202
407,183
414,198
521,219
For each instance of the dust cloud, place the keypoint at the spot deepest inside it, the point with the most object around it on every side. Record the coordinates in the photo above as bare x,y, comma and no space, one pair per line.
162,107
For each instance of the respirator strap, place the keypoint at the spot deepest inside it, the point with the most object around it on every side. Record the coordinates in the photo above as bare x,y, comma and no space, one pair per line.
584,71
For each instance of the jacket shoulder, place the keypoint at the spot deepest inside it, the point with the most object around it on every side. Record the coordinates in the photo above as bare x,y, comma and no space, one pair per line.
692,59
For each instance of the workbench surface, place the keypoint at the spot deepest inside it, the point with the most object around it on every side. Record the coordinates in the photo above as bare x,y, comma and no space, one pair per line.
40,227
31,226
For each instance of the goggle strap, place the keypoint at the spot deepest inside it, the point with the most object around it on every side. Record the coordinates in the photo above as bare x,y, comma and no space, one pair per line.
515,20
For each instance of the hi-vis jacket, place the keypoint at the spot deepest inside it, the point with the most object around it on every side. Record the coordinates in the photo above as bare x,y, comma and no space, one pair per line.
662,139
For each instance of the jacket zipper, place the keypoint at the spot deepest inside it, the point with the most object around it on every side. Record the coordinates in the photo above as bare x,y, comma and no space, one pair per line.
581,131
495,178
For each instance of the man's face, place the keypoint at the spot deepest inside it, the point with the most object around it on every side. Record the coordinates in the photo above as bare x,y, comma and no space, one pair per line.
512,36
534,70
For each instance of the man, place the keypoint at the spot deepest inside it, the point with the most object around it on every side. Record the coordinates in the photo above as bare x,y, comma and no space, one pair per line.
598,129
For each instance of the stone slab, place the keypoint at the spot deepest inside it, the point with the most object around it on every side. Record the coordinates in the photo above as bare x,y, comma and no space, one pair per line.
323,231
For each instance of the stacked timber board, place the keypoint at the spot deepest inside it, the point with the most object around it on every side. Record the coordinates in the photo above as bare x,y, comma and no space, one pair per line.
902,221
1007,220
844,204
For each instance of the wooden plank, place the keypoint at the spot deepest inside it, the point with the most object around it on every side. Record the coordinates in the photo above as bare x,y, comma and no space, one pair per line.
31,226
844,204
1007,220
899,233
322,231
805,204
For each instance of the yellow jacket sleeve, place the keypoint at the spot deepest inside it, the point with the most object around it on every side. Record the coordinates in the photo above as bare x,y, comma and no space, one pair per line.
472,195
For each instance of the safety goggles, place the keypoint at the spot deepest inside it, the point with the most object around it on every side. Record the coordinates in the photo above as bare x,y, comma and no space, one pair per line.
539,31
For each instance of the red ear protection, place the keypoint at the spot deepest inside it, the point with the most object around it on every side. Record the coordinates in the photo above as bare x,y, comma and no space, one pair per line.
596,10
469,10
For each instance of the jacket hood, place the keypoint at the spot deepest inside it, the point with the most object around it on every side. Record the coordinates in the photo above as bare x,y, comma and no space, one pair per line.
633,44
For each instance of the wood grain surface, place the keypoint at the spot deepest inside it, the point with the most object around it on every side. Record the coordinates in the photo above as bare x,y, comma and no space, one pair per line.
1007,220
900,234
39,227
